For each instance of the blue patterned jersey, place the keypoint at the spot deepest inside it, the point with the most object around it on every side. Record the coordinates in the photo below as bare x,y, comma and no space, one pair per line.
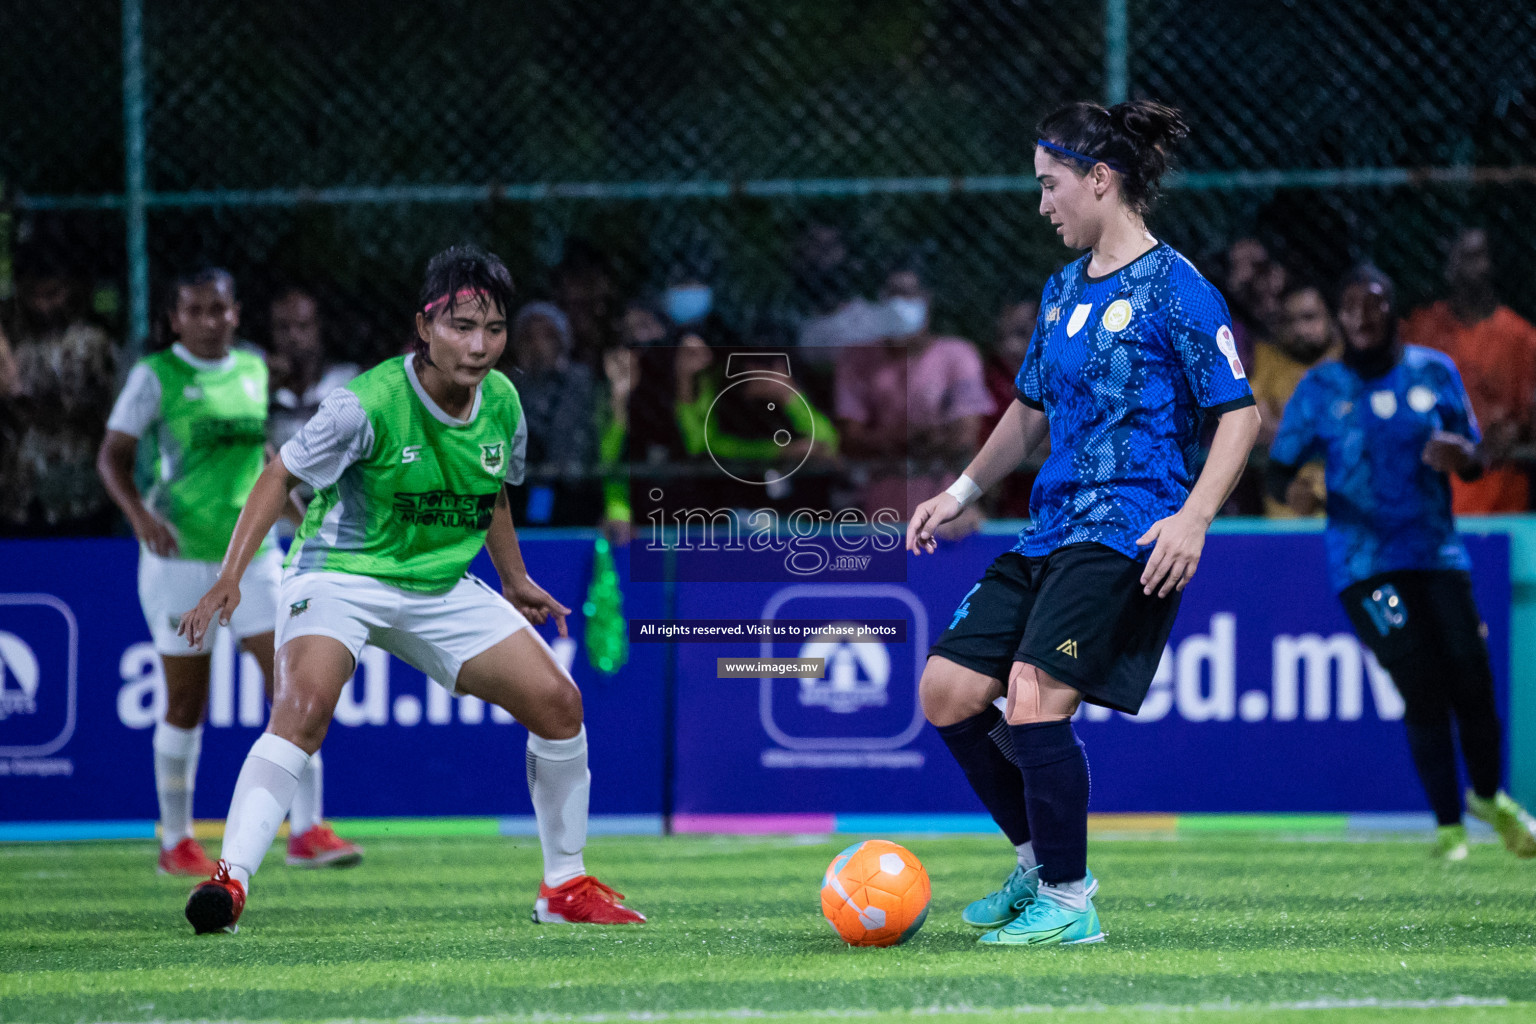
1386,509
1124,366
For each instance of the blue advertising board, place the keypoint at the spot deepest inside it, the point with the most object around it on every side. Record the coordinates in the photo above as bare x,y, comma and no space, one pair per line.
1264,701
80,681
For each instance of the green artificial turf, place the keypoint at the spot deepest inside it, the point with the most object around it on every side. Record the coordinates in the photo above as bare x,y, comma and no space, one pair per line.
1209,928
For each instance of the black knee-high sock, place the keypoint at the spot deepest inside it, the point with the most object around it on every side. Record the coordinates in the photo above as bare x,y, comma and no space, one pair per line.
1056,794
1480,739
978,744
1434,758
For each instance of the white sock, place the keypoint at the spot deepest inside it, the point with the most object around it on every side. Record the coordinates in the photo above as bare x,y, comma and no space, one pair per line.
1072,895
176,751
1026,852
560,784
305,813
263,792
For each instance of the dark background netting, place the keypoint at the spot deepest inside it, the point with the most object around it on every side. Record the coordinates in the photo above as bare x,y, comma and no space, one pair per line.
827,99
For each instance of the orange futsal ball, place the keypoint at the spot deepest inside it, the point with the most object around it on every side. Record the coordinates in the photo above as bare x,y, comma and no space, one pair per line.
875,893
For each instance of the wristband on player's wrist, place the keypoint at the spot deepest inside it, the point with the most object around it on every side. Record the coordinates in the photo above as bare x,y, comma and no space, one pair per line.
964,490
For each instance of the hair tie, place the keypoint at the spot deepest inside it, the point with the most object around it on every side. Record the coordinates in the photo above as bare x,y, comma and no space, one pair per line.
1074,154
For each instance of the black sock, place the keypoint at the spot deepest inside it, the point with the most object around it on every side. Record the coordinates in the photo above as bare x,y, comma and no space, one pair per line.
1434,758
978,744
1056,794
1480,738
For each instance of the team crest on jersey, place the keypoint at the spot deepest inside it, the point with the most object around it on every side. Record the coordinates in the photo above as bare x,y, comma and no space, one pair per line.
1420,398
1384,404
1228,345
1079,317
252,390
192,393
492,457
1118,316
298,608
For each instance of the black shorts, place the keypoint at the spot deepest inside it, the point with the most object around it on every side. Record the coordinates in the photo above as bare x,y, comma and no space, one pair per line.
1423,626
1079,613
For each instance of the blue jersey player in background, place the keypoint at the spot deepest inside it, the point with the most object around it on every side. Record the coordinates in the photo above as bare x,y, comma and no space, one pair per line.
1392,422
1132,351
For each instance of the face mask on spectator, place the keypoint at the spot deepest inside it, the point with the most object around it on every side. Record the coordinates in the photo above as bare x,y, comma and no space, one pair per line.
909,314
688,304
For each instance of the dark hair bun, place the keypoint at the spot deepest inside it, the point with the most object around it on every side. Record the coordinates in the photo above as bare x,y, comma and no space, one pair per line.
1151,123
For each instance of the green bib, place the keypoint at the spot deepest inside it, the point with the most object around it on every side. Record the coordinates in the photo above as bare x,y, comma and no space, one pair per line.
414,511
211,445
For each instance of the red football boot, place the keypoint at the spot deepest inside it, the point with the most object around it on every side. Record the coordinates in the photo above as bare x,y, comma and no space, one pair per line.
582,900
320,847
215,905
186,858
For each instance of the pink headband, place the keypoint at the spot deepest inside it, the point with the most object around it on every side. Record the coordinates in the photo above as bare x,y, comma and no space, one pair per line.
464,295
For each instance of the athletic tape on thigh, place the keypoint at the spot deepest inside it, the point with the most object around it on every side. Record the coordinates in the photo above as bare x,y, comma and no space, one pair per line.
1024,698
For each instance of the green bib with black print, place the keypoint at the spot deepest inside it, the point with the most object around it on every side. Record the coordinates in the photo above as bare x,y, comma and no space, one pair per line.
414,511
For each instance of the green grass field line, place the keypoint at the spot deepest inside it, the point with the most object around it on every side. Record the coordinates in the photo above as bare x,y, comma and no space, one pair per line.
1210,927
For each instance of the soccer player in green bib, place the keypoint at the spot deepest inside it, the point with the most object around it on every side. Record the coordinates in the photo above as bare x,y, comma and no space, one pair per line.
204,405
409,463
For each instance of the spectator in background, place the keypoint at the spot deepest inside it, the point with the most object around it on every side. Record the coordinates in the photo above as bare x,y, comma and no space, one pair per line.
585,293
918,398
59,376
1307,335
1495,350
560,408
302,372
826,277
1015,327
1253,285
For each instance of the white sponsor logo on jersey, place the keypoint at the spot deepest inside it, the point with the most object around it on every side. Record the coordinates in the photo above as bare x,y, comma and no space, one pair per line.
1420,398
1228,346
1079,317
410,453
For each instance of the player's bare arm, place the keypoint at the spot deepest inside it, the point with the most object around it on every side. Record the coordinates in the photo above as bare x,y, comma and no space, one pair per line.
267,501
1014,439
525,595
1180,538
114,464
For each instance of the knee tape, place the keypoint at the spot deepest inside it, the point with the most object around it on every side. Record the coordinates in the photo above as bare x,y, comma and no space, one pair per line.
1024,698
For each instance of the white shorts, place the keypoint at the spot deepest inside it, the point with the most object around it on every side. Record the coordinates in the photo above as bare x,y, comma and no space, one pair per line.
171,587
436,633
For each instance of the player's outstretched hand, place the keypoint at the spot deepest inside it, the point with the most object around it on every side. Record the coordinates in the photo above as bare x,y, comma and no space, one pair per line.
536,604
1178,541
156,534
1448,453
221,600
930,515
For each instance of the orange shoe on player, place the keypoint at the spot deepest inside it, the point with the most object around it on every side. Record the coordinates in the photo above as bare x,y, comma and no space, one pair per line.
215,905
320,847
185,858
582,900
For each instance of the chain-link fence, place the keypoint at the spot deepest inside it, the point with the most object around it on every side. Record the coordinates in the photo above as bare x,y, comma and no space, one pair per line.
788,153
342,142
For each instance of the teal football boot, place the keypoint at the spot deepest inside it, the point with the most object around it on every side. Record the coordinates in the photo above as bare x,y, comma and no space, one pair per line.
1046,922
1019,889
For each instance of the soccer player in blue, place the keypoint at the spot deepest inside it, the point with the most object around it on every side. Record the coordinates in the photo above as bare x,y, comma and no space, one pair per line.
1132,351
1392,422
